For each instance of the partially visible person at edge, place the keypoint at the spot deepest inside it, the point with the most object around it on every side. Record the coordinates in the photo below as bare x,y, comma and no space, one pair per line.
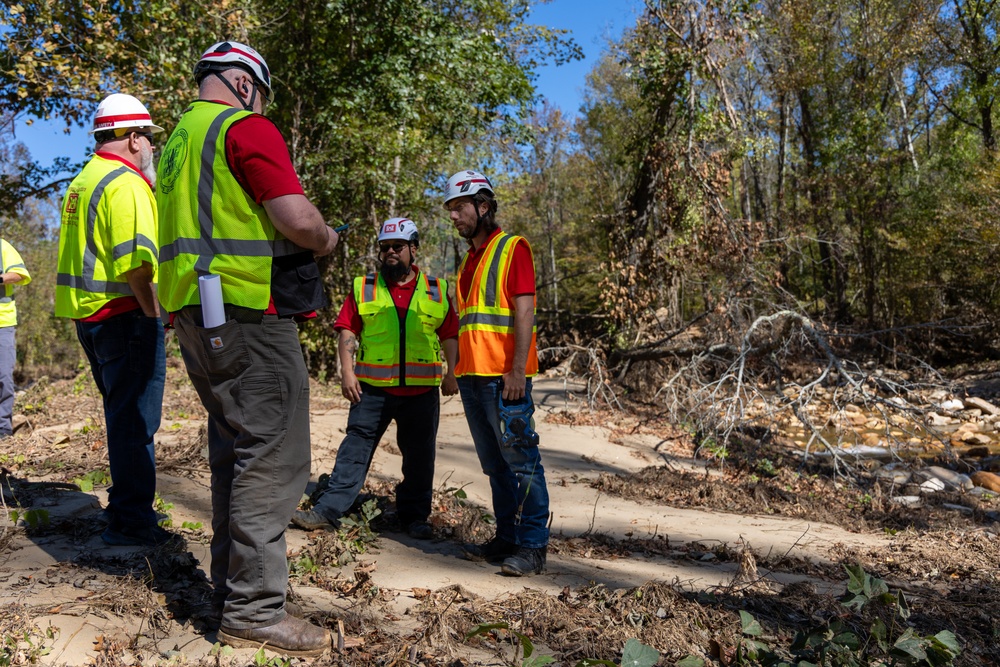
397,320
12,272
106,282
497,355
231,205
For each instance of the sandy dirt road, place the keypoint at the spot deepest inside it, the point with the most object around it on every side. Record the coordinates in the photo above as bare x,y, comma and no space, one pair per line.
49,572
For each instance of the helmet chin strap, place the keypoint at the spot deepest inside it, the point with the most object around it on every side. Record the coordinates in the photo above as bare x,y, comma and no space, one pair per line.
248,106
479,219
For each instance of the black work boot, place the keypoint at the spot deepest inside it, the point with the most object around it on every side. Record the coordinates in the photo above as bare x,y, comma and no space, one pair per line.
526,561
312,520
494,551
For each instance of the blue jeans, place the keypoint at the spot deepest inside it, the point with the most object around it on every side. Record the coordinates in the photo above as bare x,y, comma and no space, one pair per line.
129,365
517,479
8,357
416,428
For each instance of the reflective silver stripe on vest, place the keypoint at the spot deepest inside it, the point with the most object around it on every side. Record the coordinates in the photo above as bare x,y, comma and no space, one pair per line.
433,288
128,247
5,269
376,372
91,285
206,184
493,277
486,319
87,282
368,291
241,247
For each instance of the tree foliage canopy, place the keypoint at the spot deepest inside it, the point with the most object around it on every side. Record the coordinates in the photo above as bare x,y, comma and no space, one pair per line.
834,158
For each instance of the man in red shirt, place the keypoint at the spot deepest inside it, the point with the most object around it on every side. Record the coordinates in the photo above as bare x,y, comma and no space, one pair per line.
106,283
395,322
497,359
230,206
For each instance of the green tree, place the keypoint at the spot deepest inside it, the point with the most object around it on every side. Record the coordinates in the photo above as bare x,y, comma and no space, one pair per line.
377,100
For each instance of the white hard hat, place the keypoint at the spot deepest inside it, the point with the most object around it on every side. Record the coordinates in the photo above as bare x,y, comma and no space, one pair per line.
121,111
223,55
465,184
402,229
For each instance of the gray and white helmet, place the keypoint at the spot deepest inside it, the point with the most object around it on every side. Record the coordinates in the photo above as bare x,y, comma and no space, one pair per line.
465,184
402,229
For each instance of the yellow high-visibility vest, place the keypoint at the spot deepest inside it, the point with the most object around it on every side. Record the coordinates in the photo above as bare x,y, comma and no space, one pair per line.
108,228
209,224
10,262
383,341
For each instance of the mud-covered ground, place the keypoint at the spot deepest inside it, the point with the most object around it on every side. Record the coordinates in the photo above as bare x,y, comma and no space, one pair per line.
649,543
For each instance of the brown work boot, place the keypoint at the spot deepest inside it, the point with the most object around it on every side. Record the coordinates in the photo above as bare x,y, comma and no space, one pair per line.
291,637
213,620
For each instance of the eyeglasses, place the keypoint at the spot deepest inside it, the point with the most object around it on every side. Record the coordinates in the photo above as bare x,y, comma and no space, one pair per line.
395,247
457,204
265,101
263,92
148,135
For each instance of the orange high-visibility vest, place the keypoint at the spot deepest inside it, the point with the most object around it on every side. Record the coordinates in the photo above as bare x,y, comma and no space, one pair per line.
486,317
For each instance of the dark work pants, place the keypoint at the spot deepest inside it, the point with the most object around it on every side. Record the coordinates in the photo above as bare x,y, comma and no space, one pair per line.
128,360
416,427
253,381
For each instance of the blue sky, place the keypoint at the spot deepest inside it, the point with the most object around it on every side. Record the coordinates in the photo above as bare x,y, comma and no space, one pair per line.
591,22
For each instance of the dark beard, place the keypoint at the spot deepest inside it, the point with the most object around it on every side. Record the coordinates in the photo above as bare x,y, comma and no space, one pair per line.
393,273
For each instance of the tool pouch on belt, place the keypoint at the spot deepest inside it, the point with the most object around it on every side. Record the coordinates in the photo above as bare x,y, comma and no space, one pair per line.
295,284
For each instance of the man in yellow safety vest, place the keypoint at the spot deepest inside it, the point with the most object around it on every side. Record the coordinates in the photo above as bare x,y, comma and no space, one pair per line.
106,283
233,211
396,321
496,361
12,272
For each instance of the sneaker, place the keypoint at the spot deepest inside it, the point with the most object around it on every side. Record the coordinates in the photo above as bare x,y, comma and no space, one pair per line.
311,520
525,561
494,551
420,530
290,637
147,536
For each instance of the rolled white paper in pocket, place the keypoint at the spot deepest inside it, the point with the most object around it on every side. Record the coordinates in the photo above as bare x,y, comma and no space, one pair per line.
213,312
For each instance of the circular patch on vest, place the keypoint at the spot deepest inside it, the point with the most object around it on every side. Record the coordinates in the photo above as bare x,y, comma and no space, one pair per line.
172,160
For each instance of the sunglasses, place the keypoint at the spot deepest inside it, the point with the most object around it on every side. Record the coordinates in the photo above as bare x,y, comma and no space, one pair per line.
397,247
147,135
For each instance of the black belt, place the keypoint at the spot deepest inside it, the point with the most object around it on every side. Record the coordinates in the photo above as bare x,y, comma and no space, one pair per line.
238,313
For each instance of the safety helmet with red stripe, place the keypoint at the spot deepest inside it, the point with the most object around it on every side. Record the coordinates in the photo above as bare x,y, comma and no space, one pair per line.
465,184
120,112
402,229
225,55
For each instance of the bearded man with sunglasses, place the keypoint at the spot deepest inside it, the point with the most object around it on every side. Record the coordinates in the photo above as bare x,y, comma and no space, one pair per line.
106,283
232,207
391,328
